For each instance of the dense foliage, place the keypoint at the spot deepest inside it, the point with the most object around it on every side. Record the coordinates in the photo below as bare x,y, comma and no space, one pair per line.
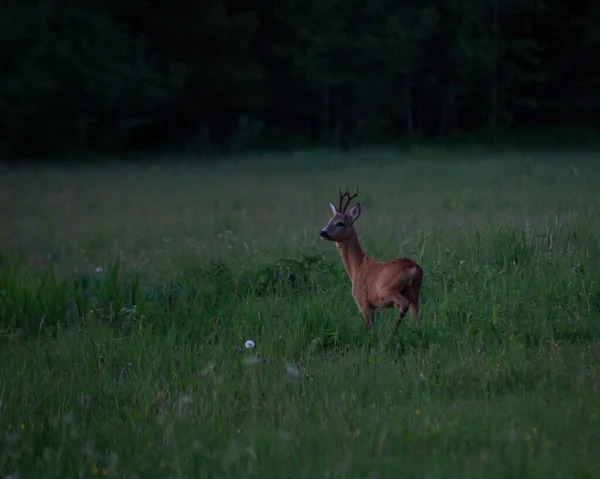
234,73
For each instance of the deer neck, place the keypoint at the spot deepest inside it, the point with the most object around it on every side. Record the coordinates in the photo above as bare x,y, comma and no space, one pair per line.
352,254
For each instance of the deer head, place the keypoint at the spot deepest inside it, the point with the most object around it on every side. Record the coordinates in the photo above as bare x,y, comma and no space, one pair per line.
341,225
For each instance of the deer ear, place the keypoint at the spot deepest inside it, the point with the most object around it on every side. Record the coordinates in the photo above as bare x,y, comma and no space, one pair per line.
333,210
354,212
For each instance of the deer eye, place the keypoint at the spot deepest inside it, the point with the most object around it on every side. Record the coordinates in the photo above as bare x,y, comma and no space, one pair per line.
339,224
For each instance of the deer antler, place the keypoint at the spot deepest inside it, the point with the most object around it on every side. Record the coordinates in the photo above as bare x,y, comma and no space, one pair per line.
349,198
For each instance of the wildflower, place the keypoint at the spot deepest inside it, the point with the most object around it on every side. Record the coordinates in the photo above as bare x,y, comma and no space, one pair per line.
99,270
94,470
497,365
417,412
249,344
22,427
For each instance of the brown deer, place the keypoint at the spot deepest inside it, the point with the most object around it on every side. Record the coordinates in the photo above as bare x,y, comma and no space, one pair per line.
375,284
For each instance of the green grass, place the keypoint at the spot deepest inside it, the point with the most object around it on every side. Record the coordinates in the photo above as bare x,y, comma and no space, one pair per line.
140,370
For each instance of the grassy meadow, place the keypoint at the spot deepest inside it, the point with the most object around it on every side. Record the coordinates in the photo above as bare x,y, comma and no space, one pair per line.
127,293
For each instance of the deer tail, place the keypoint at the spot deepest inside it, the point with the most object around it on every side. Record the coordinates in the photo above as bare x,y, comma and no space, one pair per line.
413,272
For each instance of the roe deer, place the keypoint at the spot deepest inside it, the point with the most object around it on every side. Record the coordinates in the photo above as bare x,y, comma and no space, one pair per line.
375,284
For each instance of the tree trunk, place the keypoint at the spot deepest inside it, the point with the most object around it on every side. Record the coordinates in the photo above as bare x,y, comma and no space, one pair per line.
446,110
408,107
326,114
337,117
493,113
419,120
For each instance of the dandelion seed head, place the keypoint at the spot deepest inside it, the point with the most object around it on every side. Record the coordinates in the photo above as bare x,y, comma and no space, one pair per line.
249,344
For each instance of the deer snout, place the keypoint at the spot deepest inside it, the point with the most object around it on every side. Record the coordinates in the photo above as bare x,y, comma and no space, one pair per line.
324,234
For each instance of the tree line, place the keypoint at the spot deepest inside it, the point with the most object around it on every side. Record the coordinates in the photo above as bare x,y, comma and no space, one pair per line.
230,74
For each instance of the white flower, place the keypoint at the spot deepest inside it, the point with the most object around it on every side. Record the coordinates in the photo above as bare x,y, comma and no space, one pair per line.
99,270
249,344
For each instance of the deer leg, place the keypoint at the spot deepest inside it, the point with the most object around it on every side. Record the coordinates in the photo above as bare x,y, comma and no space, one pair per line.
401,313
414,309
412,293
368,314
401,303
413,298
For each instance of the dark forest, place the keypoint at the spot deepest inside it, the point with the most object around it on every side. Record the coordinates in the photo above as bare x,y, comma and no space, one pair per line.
229,75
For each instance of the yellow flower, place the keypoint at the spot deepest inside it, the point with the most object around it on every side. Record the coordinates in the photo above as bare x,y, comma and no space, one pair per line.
94,470
22,427
417,412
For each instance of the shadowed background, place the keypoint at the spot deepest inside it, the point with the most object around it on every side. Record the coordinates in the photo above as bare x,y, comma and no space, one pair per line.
166,169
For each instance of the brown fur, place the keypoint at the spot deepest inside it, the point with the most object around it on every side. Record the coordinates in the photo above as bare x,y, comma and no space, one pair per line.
375,284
